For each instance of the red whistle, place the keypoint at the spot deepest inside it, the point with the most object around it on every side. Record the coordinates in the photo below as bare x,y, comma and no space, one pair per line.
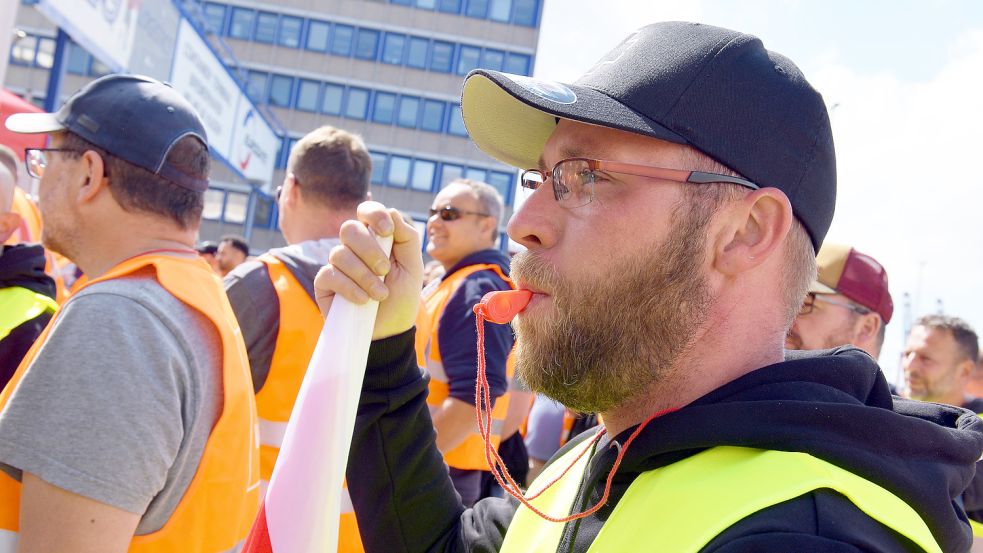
502,307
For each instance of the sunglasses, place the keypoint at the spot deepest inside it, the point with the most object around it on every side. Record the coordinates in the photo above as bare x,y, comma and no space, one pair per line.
451,213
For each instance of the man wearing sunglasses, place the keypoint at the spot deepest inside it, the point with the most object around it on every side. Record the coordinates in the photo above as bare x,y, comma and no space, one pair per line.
849,303
682,188
328,174
461,234
130,425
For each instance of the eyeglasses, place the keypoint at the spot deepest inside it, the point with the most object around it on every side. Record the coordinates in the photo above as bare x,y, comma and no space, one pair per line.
279,190
574,178
812,297
451,213
36,160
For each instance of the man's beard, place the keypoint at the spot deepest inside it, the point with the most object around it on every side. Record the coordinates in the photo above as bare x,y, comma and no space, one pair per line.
607,339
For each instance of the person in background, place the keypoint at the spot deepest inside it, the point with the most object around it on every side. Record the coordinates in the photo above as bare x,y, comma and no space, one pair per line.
233,250
462,231
131,423
207,250
543,433
849,303
27,294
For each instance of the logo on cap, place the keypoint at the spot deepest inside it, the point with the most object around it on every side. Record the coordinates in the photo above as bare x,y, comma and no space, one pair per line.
548,90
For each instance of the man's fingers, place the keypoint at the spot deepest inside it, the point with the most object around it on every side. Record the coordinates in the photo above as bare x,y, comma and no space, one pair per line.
406,245
330,282
376,216
355,236
344,260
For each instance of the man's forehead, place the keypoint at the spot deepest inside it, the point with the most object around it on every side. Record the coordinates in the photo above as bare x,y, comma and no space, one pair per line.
454,193
575,139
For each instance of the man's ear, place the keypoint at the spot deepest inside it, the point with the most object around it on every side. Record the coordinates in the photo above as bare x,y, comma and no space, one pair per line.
95,177
867,328
750,230
489,226
9,222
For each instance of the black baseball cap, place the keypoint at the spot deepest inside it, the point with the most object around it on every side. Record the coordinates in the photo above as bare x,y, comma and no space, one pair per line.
717,90
135,118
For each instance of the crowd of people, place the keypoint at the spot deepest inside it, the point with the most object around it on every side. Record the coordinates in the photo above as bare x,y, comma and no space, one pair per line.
695,370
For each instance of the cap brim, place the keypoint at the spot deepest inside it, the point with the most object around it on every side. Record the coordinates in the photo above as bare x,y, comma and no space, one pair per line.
510,117
33,123
820,288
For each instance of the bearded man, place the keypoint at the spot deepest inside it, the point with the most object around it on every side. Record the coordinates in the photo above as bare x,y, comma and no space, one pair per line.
680,191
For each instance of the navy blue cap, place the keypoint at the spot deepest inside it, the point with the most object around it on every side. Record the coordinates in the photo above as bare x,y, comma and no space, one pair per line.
717,90
135,118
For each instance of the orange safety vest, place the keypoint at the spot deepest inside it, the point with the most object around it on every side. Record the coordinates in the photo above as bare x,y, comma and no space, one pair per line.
300,326
220,504
470,454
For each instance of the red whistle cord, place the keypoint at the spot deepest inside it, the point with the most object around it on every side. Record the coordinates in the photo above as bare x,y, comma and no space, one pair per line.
482,402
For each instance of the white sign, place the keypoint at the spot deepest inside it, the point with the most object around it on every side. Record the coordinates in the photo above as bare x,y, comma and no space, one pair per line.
204,81
254,145
106,28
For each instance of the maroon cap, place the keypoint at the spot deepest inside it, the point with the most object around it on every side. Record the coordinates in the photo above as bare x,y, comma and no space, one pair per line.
858,276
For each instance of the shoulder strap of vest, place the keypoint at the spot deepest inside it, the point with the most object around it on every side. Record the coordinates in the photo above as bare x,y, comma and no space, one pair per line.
723,485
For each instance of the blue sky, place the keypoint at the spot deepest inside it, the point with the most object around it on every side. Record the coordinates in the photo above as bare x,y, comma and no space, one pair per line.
905,77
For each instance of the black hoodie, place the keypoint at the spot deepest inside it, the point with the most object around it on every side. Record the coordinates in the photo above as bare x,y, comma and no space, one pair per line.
22,265
834,405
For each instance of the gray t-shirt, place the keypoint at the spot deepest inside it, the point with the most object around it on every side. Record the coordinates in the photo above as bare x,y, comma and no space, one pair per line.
119,402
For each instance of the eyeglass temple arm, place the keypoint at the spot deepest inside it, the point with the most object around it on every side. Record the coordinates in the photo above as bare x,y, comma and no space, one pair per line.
700,177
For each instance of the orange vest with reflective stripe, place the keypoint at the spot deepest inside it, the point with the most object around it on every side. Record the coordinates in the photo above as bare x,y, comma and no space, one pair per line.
300,326
220,504
470,454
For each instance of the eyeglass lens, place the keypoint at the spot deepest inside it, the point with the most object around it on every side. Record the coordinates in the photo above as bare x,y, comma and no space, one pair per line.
446,213
36,162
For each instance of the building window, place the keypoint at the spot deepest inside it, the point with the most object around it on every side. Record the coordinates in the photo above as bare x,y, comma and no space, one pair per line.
456,124
236,205
341,40
214,202
525,12
331,101
416,53
289,34
493,59
472,173
401,2
383,108
215,17
441,57
399,171
23,51
468,59
449,6
366,44
281,88
46,53
409,108
307,95
378,167
358,103
317,36
256,85
241,26
433,116
78,60
476,8
423,172
502,182
517,64
426,4
450,173
266,27
392,48
98,69
501,10
263,211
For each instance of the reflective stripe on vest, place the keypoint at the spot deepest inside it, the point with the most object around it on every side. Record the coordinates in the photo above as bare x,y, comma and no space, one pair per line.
19,305
470,454
300,327
684,506
222,500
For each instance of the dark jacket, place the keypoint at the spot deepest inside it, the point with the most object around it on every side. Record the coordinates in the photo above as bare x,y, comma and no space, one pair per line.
973,497
257,307
458,336
833,404
23,265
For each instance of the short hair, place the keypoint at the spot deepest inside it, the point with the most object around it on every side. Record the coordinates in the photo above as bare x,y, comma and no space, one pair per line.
332,166
488,198
136,189
964,335
800,256
237,242
9,159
